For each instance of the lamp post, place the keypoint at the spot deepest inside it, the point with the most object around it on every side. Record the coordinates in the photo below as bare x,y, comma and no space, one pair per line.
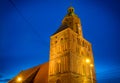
87,60
91,67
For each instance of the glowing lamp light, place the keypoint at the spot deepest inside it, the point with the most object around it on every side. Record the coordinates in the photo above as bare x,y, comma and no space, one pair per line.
91,65
87,60
19,79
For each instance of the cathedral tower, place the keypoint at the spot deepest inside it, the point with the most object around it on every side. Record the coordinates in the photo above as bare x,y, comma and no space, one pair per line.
71,58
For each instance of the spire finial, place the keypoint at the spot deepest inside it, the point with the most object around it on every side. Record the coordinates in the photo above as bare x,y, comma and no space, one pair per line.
70,11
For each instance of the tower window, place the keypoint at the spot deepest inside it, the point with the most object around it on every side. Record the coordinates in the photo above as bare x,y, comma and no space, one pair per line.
82,53
72,10
61,38
70,23
58,81
78,41
55,42
83,44
76,28
88,48
83,70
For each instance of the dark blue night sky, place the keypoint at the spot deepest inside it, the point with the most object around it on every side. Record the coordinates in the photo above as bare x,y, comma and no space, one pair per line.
26,27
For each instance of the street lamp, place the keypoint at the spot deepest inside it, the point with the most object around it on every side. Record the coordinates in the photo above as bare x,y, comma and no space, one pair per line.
87,60
91,67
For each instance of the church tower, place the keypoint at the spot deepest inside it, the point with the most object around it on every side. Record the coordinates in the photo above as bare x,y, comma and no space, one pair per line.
71,58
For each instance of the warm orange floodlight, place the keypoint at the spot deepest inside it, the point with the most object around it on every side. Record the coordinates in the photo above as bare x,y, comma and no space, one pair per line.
87,60
19,79
91,65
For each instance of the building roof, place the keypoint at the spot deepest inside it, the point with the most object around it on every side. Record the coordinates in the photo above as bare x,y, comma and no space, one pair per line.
62,27
42,75
38,74
69,21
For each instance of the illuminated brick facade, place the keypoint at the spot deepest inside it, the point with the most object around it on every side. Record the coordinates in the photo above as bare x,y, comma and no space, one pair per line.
71,58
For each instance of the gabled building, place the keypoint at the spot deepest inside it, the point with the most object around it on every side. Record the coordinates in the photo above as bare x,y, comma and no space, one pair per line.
38,74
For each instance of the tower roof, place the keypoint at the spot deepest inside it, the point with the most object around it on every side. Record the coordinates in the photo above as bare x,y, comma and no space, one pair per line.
70,20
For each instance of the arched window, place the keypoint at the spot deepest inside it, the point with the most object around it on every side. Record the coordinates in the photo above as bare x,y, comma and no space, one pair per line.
83,43
59,67
78,40
82,53
83,70
58,81
55,42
